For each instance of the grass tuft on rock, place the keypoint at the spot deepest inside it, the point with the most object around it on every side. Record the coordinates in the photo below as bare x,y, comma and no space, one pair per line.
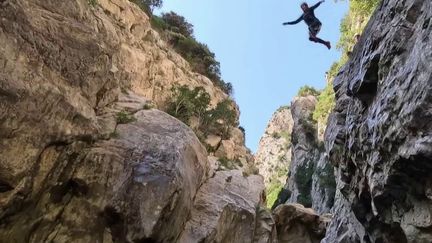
124,117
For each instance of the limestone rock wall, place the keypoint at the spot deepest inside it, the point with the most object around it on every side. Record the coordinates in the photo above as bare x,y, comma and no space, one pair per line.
304,151
379,136
311,179
274,151
82,157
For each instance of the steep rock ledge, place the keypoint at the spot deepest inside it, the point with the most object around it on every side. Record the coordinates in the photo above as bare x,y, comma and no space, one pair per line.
379,136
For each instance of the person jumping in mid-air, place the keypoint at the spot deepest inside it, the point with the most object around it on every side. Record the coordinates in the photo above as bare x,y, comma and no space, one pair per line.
313,23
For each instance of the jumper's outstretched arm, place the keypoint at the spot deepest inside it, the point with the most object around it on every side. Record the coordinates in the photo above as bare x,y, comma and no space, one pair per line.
316,5
294,22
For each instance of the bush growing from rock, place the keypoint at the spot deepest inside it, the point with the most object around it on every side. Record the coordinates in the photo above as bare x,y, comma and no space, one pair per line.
189,103
178,24
179,33
273,192
148,6
307,90
124,117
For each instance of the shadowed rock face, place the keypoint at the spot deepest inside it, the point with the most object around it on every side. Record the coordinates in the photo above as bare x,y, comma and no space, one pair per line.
379,136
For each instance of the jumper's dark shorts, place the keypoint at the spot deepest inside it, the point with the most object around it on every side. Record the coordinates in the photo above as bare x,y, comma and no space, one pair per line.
314,29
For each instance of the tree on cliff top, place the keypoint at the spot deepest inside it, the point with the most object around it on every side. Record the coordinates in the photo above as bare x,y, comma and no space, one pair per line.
307,90
179,33
192,107
178,24
148,5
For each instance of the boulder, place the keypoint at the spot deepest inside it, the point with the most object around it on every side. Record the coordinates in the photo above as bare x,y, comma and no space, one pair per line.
295,224
213,141
225,209
127,188
227,150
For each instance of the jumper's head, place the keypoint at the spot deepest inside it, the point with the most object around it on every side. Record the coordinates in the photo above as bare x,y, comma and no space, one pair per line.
304,6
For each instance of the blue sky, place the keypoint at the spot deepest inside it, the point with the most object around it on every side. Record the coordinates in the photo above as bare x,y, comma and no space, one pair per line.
266,62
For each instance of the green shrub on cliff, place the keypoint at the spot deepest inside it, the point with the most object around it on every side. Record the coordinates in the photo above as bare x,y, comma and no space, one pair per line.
148,5
178,32
272,192
284,107
226,164
364,7
276,135
158,23
187,103
220,119
354,22
202,60
178,24
307,90
124,117
92,3
325,104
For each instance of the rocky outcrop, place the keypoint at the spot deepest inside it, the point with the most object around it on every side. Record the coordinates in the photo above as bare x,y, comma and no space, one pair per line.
83,158
126,188
265,229
274,151
304,151
310,178
64,64
93,53
234,149
295,223
379,136
225,209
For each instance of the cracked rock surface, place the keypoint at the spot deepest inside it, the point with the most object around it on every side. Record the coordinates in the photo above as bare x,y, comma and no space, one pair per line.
380,134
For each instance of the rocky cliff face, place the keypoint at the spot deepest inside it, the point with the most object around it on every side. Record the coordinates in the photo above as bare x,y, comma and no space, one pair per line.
274,151
83,158
304,151
310,178
379,136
